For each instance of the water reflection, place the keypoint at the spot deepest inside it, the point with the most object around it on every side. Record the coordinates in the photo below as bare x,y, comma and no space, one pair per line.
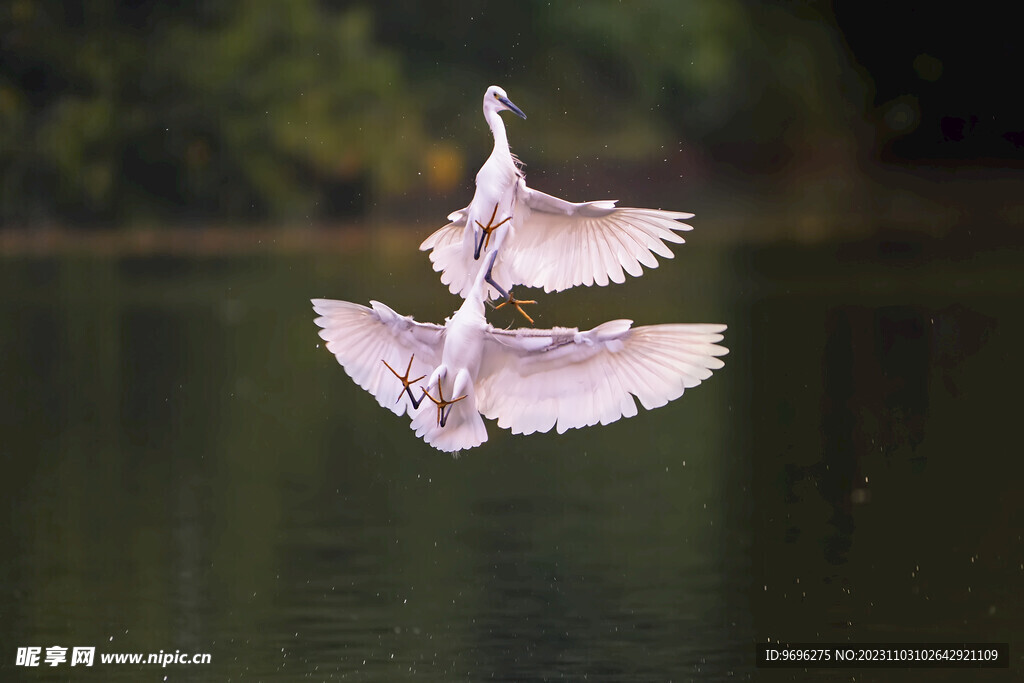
188,469
886,483
516,586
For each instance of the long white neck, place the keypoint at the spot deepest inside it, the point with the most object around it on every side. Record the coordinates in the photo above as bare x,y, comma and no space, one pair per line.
497,126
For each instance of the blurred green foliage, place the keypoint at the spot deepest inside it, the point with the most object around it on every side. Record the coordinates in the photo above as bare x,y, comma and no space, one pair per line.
122,110
118,111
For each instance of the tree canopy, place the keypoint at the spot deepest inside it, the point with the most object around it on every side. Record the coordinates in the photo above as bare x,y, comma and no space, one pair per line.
121,111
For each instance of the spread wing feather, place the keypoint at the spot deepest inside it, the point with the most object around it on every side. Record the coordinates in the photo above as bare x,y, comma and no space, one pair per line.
361,338
560,244
536,380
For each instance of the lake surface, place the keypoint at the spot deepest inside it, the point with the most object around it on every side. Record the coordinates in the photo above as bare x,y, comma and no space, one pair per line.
187,469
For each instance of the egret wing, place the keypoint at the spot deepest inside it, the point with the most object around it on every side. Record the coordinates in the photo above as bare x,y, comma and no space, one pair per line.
451,253
532,380
361,338
449,234
560,244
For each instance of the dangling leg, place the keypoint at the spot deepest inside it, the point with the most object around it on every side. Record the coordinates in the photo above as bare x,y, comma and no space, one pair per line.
404,379
435,379
444,407
509,299
485,236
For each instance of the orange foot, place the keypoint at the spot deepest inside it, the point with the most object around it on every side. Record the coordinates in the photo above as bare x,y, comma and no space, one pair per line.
441,403
485,239
518,303
404,379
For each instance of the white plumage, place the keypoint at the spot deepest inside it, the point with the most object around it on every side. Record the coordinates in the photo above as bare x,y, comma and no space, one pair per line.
544,241
528,380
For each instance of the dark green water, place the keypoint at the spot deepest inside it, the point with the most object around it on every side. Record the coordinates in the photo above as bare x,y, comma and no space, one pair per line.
185,468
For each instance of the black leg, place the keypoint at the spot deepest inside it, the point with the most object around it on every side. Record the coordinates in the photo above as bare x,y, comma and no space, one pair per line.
486,230
415,402
479,246
490,280
509,299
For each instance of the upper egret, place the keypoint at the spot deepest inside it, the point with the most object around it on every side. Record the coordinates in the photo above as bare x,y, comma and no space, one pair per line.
542,241
529,380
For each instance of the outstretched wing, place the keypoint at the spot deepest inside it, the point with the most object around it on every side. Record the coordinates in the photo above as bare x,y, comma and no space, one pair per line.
531,380
361,338
447,235
559,244
451,252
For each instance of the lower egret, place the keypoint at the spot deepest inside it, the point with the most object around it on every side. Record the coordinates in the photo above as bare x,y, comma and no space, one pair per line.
528,380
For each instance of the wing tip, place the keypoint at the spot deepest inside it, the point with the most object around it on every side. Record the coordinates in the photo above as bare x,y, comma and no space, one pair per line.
612,328
327,306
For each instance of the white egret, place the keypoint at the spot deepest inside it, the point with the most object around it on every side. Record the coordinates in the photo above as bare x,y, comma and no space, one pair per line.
543,241
528,380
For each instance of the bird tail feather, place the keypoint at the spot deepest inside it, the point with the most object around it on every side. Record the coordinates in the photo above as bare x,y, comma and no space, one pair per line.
463,429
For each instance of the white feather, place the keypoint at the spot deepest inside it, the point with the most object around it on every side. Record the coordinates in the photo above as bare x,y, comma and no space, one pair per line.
362,338
533,380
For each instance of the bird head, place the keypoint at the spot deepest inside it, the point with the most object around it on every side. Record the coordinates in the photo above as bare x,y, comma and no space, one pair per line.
495,99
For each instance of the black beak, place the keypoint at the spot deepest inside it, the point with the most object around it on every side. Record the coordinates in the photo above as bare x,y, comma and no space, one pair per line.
511,107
